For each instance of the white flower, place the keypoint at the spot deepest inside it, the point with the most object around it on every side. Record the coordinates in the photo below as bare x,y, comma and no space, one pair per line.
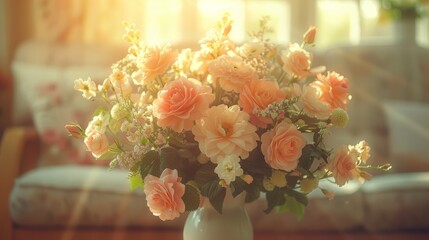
228,168
253,48
118,112
121,83
87,87
98,123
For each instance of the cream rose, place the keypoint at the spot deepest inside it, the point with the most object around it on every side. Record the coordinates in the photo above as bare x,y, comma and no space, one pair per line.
282,147
164,194
225,131
97,143
313,106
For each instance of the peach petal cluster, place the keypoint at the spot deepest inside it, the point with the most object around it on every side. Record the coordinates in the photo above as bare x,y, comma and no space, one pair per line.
225,131
180,103
333,89
97,143
164,194
312,105
296,60
343,166
232,72
257,95
282,147
154,61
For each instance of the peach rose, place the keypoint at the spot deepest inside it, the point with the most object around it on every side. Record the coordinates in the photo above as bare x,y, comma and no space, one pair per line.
97,143
342,164
154,61
313,106
296,60
225,131
164,194
258,94
232,72
282,147
180,103
333,89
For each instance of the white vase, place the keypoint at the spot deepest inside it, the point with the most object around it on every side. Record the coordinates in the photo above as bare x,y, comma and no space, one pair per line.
206,223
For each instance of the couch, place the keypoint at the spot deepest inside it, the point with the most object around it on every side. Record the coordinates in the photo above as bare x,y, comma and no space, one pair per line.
50,190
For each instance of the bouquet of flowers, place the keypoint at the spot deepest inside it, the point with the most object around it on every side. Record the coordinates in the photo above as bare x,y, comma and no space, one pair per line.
252,118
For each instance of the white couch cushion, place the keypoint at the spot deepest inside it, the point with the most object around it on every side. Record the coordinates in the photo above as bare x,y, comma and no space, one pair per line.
75,195
408,135
397,202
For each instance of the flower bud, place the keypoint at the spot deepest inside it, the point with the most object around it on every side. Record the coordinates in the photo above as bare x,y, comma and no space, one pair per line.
75,131
267,184
328,194
339,118
310,35
308,185
247,178
278,179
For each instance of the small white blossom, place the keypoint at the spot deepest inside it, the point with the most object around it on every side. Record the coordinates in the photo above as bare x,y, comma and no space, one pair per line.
228,168
98,123
87,87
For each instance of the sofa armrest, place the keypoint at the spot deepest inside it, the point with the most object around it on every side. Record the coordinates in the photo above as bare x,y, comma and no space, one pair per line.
19,151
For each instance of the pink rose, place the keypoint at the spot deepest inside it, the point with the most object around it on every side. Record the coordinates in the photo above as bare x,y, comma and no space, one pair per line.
282,147
258,94
97,143
164,194
232,72
333,89
180,103
342,164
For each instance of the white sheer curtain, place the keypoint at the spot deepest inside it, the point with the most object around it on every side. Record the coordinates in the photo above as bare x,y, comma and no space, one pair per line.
184,21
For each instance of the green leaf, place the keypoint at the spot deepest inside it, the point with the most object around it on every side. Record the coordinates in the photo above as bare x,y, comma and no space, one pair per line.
255,163
111,153
169,157
293,206
217,196
208,183
300,197
191,198
307,156
149,162
238,186
274,198
252,193
136,181
206,174
99,110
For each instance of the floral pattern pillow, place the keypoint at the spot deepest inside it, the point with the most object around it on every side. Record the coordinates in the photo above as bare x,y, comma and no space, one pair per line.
54,103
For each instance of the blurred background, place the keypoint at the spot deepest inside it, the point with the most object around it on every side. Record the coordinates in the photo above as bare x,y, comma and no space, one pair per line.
382,46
